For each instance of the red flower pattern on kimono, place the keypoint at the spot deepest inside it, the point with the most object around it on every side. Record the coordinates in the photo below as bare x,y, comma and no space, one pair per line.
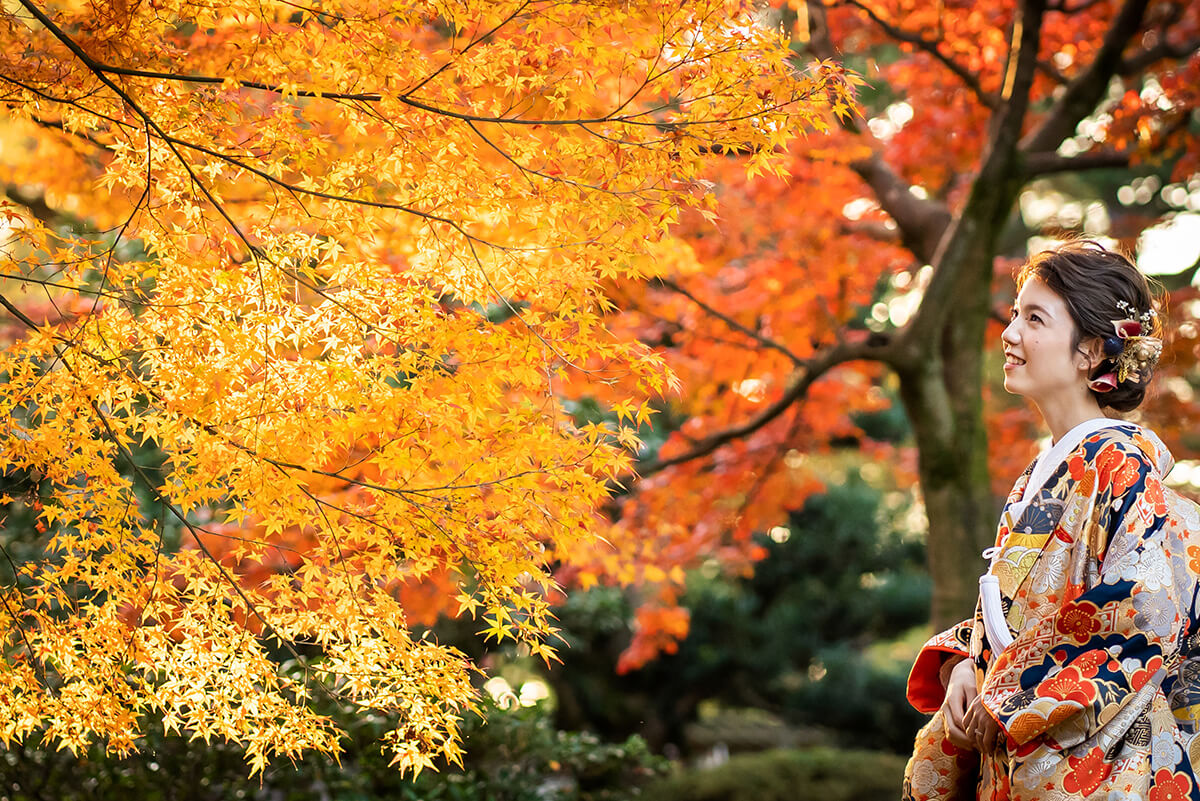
1128,475
1078,620
1107,461
1069,684
1138,679
1170,786
1100,595
1087,773
1077,466
1155,500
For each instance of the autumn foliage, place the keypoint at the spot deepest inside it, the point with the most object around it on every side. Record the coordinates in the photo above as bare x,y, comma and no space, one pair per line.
876,272
301,285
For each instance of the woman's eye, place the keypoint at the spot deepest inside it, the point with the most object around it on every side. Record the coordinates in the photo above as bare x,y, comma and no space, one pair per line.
1035,318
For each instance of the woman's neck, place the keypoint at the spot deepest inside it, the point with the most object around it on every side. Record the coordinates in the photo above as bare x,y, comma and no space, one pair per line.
1066,413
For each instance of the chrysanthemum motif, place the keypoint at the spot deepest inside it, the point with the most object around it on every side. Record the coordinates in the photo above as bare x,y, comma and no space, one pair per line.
1050,572
1149,566
1157,561
1034,770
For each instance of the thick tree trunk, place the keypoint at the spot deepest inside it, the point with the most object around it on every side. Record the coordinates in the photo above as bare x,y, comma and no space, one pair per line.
941,385
941,382
952,448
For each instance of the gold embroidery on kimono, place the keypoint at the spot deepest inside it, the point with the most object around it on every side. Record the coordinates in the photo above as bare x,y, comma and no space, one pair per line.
1098,693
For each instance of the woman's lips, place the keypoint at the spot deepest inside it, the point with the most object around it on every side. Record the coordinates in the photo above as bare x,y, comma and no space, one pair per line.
1011,362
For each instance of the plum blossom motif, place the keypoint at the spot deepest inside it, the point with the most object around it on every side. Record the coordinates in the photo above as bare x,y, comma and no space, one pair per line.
1078,621
1193,552
1069,685
1127,475
1164,751
1087,773
1154,499
1170,786
1140,673
1155,612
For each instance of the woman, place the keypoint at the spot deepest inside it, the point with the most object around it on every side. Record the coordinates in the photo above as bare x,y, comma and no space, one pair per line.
1074,677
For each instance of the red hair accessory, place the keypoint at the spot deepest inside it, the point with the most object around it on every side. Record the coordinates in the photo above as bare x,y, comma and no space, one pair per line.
1103,383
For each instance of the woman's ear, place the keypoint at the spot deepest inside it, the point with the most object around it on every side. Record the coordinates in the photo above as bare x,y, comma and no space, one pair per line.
1091,350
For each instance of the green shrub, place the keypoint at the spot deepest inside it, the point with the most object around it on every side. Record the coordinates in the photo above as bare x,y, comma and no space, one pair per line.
515,755
790,639
815,774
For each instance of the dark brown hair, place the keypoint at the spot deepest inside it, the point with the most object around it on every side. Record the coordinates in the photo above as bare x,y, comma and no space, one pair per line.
1094,282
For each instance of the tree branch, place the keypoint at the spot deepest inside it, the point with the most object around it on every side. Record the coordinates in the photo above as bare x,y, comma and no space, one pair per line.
766,342
1062,8
921,221
1037,164
1086,90
642,118
807,376
1163,50
930,46
37,205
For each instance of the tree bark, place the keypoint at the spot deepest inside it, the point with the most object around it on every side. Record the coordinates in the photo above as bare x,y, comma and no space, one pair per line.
942,394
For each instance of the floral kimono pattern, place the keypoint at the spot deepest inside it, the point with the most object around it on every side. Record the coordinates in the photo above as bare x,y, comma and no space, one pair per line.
1098,695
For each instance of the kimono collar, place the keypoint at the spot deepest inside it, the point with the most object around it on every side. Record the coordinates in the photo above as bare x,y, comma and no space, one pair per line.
1049,460
1160,457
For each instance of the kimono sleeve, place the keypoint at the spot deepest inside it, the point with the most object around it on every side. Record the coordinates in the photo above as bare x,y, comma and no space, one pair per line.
925,691
1081,664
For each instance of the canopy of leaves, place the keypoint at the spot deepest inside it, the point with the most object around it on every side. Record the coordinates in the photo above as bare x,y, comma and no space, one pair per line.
329,265
803,303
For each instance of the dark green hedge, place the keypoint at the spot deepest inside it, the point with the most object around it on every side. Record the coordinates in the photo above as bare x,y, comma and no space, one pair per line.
814,774
516,755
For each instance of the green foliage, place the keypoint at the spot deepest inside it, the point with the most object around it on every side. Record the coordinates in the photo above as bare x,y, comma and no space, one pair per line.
817,774
790,639
887,425
861,700
516,755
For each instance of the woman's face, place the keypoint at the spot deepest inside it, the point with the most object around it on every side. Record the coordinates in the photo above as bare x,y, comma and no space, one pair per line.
1040,360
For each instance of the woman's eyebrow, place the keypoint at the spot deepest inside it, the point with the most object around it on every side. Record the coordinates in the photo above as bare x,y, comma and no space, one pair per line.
1033,307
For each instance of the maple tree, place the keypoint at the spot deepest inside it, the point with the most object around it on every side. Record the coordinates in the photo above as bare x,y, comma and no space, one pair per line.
298,285
874,273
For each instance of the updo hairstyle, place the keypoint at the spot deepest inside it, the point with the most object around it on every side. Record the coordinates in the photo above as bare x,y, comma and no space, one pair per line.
1099,286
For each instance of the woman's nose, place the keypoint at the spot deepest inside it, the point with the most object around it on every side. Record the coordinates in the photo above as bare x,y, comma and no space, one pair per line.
1010,335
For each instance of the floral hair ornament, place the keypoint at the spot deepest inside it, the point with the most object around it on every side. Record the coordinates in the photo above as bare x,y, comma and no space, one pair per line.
1132,352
